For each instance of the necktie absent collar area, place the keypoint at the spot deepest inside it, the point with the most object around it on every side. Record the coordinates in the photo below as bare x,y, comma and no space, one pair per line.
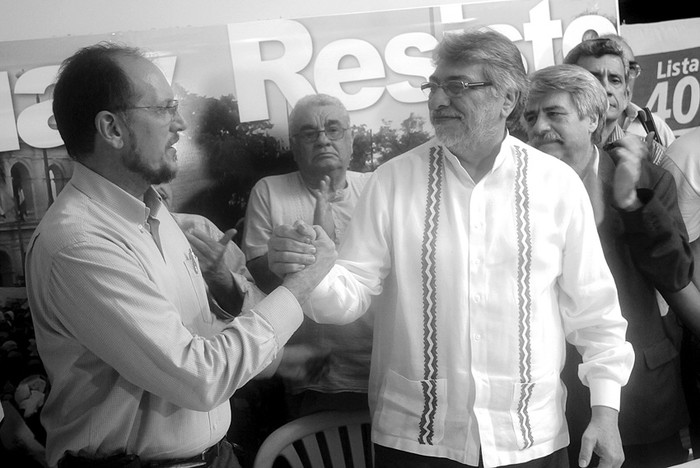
153,204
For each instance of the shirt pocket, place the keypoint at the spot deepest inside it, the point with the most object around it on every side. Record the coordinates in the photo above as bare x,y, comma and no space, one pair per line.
537,410
412,409
659,353
199,301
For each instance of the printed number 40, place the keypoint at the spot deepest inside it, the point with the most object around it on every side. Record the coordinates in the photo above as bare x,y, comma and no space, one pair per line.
682,111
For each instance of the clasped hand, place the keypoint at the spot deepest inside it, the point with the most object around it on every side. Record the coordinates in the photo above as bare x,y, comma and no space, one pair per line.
628,154
212,256
301,254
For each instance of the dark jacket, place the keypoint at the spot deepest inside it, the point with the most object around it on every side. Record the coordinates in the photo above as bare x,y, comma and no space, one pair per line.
646,250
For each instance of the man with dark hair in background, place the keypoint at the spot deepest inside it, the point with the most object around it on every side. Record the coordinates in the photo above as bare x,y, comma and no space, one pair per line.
141,371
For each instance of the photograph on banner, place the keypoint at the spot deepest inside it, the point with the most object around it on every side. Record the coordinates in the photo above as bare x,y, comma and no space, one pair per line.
236,84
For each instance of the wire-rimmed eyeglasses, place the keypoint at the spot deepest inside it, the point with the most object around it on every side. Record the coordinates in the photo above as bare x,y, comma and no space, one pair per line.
310,135
635,69
453,88
170,109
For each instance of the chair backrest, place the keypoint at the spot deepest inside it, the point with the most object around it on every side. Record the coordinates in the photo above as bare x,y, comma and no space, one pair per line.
329,439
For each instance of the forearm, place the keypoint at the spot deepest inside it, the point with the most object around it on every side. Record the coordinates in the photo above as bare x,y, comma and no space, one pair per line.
223,289
686,303
339,299
265,279
658,243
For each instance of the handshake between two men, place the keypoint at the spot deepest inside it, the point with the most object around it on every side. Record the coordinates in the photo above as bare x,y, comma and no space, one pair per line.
302,255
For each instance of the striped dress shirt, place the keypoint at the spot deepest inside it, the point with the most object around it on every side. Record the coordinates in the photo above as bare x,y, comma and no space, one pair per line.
136,360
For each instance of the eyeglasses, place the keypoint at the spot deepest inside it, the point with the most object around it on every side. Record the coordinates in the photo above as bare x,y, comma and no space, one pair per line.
170,109
453,88
635,69
310,135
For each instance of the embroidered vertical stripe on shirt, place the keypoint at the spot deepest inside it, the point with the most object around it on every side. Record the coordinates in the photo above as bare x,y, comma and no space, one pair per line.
524,242
429,276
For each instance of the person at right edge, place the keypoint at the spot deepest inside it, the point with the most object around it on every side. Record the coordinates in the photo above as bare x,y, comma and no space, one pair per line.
647,250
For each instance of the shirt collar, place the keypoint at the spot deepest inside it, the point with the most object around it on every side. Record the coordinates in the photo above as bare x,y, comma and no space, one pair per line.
106,193
503,153
631,114
338,195
616,134
593,164
153,202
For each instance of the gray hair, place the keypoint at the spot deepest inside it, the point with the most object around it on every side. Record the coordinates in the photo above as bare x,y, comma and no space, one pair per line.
588,95
597,48
500,58
626,49
315,100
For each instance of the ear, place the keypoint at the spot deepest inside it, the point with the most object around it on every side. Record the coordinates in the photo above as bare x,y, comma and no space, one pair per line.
110,128
510,101
592,123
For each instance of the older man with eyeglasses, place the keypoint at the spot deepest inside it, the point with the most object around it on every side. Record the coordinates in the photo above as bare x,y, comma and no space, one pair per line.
322,192
484,255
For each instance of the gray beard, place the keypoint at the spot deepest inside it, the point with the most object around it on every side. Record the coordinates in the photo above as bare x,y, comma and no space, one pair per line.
461,142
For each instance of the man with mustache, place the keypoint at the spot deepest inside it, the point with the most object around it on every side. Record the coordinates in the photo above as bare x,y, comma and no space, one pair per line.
484,257
646,248
141,371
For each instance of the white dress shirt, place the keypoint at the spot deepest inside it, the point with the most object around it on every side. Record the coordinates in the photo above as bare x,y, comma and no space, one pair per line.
284,199
479,286
136,360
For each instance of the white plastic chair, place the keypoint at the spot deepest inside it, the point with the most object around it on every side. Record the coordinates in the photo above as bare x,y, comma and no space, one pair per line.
328,439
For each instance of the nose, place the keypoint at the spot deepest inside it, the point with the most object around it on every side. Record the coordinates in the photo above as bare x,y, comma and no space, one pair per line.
536,125
323,139
607,86
178,123
539,124
438,98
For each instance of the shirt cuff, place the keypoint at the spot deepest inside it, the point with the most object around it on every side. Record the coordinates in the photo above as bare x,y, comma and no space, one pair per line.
282,310
270,370
316,301
251,253
605,392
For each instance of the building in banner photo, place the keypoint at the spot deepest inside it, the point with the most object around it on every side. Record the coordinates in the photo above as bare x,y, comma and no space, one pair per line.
30,179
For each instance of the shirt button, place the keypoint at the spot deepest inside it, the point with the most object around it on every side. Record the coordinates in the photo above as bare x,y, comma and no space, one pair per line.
477,337
140,226
477,298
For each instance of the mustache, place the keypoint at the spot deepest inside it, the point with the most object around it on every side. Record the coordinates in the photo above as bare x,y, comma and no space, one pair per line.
538,140
443,115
